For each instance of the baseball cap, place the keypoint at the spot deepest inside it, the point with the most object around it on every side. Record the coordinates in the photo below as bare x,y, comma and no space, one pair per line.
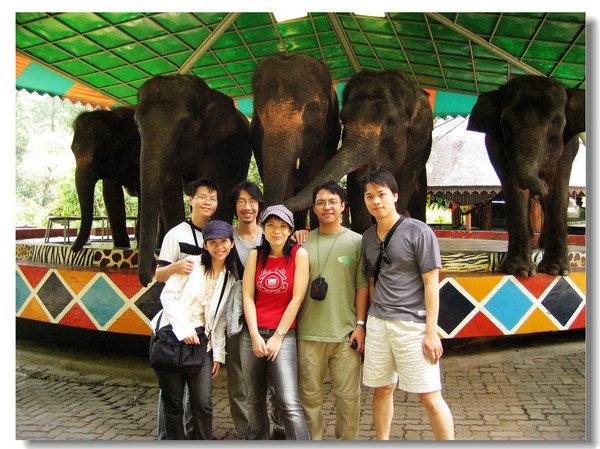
217,229
279,210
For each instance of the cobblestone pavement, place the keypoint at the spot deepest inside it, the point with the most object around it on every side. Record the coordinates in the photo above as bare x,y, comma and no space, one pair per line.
528,391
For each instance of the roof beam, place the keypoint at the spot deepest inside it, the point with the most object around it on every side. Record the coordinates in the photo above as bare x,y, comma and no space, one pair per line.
341,35
483,43
217,33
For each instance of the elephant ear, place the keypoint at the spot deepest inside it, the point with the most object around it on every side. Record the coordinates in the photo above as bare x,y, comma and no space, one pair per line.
575,114
485,115
421,119
220,118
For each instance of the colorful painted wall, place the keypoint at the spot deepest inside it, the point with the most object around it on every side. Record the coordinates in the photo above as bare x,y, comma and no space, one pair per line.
98,289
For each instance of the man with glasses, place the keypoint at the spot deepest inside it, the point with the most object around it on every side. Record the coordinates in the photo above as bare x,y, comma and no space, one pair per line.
184,240
331,322
402,345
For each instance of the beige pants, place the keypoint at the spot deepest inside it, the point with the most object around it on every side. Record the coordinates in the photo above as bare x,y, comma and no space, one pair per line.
314,358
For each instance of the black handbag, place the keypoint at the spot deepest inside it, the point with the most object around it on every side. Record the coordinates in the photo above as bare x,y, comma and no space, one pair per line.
166,351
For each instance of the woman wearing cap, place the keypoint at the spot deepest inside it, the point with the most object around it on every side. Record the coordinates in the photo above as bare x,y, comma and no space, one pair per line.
191,301
274,285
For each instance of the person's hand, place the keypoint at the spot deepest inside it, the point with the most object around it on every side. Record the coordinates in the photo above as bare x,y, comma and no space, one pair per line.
215,369
273,347
300,236
358,335
183,266
432,347
259,347
192,340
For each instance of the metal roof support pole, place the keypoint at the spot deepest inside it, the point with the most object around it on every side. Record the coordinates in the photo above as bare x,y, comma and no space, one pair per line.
341,34
217,33
483,43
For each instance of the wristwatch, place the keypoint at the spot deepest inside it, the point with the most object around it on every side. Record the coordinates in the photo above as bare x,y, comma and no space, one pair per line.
361,322
281,334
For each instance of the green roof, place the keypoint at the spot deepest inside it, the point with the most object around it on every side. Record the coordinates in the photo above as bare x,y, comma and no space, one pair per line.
114,53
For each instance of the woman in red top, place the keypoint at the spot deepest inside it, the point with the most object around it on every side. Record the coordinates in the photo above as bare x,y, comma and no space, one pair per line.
274,285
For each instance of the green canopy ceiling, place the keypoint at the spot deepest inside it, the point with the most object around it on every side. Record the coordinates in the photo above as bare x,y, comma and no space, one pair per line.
103,58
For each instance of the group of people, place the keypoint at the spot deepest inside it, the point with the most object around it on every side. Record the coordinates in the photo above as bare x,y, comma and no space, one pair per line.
313,302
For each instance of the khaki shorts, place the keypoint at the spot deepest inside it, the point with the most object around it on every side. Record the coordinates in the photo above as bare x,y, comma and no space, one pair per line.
393,353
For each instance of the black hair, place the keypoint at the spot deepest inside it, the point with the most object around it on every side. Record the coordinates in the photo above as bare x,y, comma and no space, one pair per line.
192,187
380,177
264,249
334,188
230,261
254,192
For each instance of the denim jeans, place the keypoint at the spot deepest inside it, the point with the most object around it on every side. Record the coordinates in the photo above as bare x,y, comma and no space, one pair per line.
283,374
199,382
161,429
238,402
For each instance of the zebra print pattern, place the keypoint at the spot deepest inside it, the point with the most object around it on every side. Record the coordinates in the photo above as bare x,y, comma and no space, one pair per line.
62,255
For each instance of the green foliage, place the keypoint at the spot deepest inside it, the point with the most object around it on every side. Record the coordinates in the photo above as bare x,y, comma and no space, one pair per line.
438,215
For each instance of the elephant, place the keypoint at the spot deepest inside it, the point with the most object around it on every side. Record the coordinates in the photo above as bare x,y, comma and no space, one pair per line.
106,145
295,125
188,131
531,125
387,124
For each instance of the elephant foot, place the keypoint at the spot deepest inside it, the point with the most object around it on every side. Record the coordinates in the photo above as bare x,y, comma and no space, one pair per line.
518,266
554,266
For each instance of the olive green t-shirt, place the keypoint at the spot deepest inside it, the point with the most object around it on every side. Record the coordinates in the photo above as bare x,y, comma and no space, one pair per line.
332,319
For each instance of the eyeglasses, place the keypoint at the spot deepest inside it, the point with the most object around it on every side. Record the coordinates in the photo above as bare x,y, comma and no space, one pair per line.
204,199
243,203
384,255
322,203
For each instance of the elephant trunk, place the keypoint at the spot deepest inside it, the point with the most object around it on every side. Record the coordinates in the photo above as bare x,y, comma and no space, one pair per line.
528,163
151,176
278,168
354,153
85,182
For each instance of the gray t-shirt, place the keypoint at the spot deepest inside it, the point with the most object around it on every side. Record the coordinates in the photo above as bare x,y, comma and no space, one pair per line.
242,247
399,292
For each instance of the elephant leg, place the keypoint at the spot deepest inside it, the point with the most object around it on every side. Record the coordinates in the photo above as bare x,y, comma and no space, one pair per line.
171,207
114,200
556,258
417,203
518,258
359,215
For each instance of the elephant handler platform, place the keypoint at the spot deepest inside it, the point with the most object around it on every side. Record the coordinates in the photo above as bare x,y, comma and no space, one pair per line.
96,293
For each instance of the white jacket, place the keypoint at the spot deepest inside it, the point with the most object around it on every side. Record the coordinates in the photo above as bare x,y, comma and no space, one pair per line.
176,297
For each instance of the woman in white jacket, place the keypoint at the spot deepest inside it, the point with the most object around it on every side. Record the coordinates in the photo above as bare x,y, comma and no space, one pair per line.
198,299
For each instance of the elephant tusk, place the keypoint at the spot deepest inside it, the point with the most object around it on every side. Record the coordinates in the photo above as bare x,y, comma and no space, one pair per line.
297,163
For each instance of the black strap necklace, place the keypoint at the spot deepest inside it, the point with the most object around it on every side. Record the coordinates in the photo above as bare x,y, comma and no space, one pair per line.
328,254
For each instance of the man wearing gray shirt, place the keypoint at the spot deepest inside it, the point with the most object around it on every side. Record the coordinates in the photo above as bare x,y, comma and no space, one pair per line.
402,345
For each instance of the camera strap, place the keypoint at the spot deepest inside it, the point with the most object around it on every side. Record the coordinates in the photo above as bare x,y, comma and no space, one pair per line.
386,241
328,254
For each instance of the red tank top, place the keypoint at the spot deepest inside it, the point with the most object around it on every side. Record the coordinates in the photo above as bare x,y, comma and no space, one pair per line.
274,285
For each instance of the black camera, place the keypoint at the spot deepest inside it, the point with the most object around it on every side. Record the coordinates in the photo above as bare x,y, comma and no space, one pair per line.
318,288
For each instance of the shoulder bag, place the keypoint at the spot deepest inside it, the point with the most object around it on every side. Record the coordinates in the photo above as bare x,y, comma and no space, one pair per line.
166,351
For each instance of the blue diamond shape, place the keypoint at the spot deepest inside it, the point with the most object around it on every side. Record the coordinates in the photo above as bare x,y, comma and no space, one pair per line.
102,301
509,304
22,291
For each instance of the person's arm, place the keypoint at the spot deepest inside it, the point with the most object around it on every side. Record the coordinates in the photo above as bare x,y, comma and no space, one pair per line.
371,290
175,311
362,304
432,345
301,277
248,287
164,272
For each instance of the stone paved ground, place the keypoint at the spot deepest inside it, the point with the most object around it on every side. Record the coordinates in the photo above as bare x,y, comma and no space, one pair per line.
526,392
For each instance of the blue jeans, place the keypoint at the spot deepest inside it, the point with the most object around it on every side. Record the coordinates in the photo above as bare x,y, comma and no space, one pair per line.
283,375
199,382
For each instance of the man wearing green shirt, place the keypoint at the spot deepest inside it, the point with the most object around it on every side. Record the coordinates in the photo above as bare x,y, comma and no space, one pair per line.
330,324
